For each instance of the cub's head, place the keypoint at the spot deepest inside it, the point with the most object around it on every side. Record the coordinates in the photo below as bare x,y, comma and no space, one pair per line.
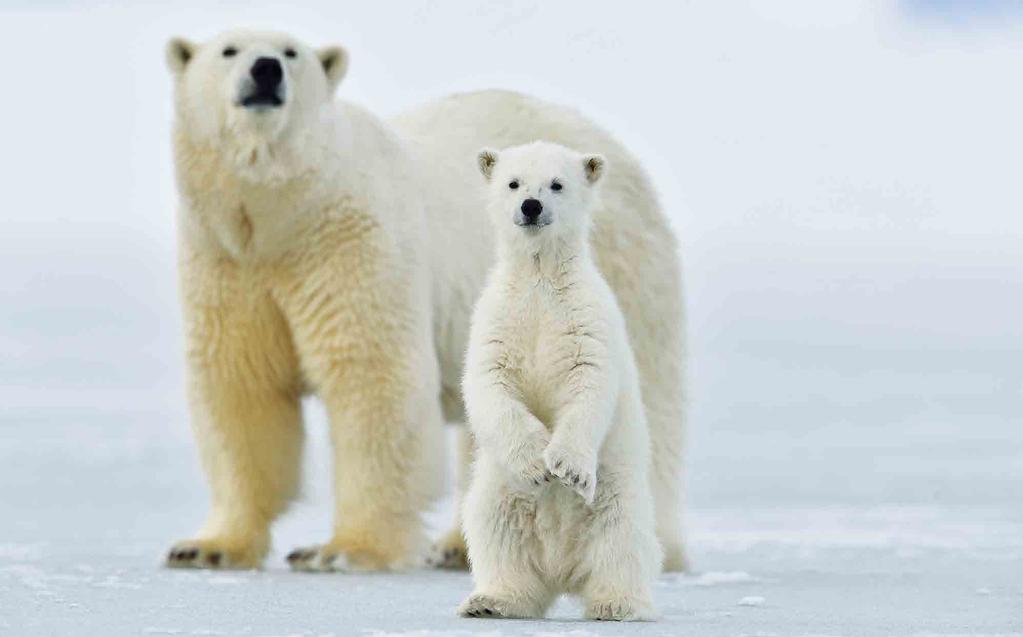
251,84
540,191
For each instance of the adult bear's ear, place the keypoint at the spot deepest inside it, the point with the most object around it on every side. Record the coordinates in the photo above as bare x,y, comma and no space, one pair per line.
593,166
179,53
334,61
487,159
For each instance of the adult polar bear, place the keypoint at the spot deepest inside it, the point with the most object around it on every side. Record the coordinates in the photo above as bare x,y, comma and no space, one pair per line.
323,250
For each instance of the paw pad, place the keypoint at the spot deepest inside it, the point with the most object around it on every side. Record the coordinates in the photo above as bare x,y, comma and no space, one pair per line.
194,557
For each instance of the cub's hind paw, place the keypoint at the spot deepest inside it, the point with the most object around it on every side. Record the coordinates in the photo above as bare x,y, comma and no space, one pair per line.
490,607
619,610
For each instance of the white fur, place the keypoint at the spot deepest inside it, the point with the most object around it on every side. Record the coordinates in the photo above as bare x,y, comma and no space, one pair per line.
552,393
633,246
325,251
302,269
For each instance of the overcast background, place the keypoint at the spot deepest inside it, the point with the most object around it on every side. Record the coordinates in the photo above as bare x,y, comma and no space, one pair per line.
844,177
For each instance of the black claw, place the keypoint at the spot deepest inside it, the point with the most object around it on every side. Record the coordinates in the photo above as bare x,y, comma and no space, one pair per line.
295,555
488,611
191,554
214,559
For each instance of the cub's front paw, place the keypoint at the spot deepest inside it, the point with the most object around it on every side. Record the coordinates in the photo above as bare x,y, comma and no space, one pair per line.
574,468
527,464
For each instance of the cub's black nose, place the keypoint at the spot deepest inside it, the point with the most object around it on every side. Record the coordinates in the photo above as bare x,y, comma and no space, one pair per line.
532,208
266,73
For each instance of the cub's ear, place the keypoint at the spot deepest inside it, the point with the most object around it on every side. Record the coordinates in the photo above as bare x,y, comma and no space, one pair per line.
179,54
334,60
487,159
593,166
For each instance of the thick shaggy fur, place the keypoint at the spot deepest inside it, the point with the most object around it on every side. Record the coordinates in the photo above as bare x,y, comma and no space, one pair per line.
560,498
323,250
633,245
302,269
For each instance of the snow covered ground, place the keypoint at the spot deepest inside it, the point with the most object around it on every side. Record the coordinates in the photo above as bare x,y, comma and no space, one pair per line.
90,506
845,179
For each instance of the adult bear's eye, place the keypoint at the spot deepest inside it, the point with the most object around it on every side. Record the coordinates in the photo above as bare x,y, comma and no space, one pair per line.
555,185
290,53
513,185
230,52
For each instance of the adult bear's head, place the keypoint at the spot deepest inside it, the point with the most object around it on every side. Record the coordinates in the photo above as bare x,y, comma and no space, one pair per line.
248,92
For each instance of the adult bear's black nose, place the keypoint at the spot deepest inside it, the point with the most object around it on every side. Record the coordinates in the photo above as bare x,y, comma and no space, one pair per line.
266,73
532,208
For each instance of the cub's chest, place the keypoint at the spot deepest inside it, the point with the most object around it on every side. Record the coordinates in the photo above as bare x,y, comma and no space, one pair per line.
539,331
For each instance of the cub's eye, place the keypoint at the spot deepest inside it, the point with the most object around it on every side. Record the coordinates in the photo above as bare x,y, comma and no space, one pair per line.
514,185
555,186
230,52
290,53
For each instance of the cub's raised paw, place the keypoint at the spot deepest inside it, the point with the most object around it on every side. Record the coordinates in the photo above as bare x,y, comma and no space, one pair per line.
210,554
533,474
490,607
449,552
573,468
619,610
527,464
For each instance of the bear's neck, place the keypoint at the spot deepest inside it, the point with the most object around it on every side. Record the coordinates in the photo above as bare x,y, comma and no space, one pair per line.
554,260
247,157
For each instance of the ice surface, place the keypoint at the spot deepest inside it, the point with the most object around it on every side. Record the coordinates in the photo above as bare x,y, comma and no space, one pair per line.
845,179
752,601
83,535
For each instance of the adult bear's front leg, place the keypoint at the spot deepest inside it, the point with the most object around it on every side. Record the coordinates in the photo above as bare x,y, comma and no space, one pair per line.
379,428
361,324
244,403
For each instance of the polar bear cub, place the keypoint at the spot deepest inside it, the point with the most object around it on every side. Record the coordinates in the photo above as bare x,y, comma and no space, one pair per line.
560,500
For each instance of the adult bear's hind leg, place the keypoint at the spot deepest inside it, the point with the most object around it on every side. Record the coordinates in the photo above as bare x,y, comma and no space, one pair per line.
449,550
640,261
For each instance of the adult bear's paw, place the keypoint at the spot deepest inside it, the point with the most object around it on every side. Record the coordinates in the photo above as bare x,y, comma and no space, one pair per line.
341,556
215,553
449,552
